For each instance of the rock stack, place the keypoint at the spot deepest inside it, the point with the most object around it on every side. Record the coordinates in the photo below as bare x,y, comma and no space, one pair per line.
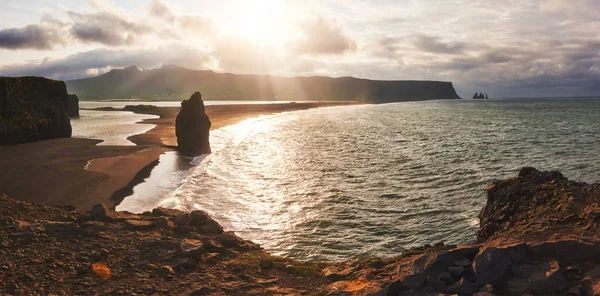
33,109
192,127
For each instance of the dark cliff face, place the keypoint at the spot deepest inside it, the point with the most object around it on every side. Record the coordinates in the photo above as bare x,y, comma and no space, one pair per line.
192,127
178,83
33,109
73,106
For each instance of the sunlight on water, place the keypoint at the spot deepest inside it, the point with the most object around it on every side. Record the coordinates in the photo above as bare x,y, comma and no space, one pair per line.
113,127
336,183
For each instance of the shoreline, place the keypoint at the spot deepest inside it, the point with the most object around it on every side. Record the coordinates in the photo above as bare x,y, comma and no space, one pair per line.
525,247
52,172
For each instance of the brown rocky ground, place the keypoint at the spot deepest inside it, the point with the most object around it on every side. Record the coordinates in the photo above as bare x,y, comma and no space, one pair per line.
538,237
65,251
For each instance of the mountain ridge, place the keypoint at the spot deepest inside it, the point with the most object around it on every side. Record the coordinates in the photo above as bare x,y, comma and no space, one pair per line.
175,83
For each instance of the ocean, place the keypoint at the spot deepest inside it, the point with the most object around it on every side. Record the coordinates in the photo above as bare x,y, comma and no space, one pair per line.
112,127
372,180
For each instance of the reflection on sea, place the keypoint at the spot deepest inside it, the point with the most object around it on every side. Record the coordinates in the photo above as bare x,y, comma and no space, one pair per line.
344,182
113,127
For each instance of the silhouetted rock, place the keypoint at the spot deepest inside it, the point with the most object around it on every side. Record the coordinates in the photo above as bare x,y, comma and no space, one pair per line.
33,109
131,82
192,127
479,96
73,106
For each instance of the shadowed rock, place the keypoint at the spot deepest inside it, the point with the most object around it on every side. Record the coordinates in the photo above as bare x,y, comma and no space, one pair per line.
73,106
33,109
192,127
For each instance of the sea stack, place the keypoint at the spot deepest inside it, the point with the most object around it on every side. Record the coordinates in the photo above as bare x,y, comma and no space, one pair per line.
73,106
33,109
192,127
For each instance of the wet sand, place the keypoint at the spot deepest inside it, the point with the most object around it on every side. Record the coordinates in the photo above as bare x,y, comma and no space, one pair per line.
77,172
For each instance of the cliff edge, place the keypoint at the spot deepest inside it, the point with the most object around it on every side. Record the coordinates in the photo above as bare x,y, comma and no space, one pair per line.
538,236
132,82
33,109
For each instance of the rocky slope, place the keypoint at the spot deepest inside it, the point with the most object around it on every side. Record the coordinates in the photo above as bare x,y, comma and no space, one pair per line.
33,109
538,237
171,82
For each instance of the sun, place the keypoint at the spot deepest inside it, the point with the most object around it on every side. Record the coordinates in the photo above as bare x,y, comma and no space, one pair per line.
261,21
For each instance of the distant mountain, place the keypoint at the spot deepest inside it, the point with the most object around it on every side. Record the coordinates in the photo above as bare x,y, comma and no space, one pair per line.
177,83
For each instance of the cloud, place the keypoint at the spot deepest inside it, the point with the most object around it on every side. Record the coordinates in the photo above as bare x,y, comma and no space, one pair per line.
30,37
197,24
160,10
513,46
239,55
99,61
107,28
435,45
322,37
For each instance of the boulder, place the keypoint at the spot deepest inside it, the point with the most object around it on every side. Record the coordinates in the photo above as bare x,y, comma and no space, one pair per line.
446,277
415,281
163,223
191,247
462,287
229,240
393,289
159,212
464,262
456,270
192,127
491,266
100,212
182,220
199,218
439,261
569,250
73,106
33,109
541,279
138,225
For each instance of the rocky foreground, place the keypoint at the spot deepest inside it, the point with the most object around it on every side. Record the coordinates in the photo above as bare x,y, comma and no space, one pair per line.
538,236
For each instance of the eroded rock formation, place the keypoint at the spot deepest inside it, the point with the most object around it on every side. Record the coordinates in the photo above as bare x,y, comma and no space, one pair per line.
73,106
33,109
192,127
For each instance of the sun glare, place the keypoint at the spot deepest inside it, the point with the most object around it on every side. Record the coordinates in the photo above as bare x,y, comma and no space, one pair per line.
261,21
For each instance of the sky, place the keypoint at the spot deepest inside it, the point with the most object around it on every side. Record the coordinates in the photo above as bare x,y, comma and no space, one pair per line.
507,48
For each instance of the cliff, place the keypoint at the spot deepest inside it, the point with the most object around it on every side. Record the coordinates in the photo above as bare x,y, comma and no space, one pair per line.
33,109
177,83
73,106
538,236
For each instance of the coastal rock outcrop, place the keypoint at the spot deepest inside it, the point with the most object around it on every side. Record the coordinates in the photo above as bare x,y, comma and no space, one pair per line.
192,127
73,106
539,236
33,109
